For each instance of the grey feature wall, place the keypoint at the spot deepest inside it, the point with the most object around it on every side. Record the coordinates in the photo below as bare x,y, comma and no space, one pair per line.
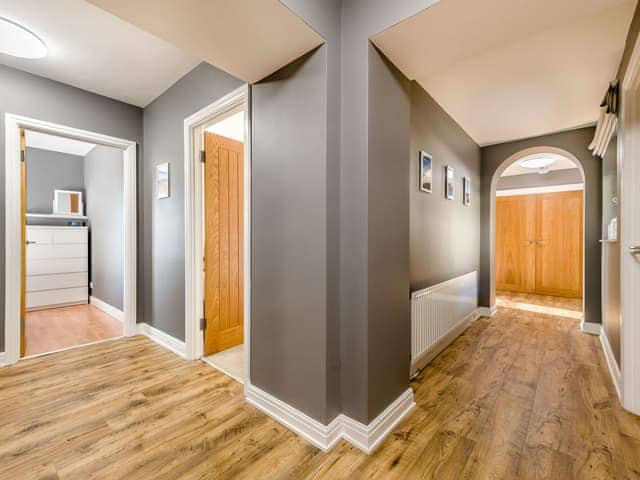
533,180
609,186
104,201
162,266
444,234
37,97
48,171
574,142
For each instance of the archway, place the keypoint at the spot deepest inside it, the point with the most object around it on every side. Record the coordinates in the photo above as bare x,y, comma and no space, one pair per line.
511,160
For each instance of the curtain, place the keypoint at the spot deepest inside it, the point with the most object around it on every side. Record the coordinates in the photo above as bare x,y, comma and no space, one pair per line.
607,122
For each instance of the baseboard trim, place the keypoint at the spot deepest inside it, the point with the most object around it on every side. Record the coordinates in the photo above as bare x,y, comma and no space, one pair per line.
4,361
590,327
365,437
487,311
161,338
614,370
106,308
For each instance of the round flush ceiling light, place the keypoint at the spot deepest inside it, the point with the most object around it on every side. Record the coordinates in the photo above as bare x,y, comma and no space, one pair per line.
537,162
17,41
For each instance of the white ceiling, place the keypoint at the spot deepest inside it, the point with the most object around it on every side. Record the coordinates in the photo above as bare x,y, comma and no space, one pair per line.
231,126
511,69
96,51
560,163
54,143
249,39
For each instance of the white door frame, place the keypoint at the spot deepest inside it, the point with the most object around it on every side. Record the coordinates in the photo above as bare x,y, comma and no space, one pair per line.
13,222
194,219
629,195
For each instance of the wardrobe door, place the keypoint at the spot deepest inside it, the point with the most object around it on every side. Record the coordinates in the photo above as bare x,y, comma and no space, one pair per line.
559,244
515,243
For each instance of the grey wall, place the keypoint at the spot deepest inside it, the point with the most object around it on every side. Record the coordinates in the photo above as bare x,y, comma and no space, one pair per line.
103,179
574,142
37,97
162,273
533,180
444,234
48,171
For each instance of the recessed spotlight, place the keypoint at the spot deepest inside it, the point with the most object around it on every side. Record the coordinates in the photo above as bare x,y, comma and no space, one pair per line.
17,41
537,162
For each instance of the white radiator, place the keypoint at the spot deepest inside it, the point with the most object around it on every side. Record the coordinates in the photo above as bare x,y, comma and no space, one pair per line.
439,314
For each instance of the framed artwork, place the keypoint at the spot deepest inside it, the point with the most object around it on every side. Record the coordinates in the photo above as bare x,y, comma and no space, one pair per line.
426,174
162,180
449,185
466,190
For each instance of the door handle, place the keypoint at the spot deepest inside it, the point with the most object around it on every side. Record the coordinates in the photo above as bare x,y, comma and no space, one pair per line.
634,249
29,242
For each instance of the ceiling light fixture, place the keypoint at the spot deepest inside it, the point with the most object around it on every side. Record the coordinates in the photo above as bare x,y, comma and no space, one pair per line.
17,41
537,162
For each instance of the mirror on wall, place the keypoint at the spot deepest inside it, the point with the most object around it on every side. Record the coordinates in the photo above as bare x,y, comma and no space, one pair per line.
162,180
67,202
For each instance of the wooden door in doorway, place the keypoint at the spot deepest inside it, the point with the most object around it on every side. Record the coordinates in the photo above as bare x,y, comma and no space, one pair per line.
23,238
515,246
559,244
223,245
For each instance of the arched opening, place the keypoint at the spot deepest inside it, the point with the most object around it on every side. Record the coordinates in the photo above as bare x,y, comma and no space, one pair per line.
537,244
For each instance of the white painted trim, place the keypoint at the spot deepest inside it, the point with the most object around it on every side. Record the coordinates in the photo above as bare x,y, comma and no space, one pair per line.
194,218
366,437
3,359
161,338
487,311
614,370
590,327
629,197
106,308
13,125
569,187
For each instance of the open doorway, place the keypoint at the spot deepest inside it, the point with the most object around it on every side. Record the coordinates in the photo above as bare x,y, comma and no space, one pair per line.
48,262
218,204
72,280
539,235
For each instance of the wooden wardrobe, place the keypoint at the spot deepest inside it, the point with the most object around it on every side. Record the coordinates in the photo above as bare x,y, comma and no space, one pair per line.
539,243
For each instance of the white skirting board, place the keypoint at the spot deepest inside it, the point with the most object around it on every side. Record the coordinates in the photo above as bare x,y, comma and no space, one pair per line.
106,308
611,362
3,359
590,327
487,311
163,339
365,437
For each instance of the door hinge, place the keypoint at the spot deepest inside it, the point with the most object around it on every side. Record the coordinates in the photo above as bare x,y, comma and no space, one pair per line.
203,323
203,156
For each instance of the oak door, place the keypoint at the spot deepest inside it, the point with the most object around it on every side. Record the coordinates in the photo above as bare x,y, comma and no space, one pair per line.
223,252
515,243
559,244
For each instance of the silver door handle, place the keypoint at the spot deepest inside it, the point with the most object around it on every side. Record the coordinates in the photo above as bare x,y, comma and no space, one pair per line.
634,249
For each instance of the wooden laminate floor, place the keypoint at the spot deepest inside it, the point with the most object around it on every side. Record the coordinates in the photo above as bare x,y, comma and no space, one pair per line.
522,395
57,328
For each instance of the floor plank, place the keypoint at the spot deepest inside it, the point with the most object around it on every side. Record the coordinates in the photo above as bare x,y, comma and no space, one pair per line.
521,395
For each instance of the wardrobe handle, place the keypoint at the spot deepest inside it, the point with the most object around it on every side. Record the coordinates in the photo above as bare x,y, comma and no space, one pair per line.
29,242
634,249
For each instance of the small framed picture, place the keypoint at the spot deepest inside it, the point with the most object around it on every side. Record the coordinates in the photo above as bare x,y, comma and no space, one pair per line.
449,185
162,180
466,190
426,175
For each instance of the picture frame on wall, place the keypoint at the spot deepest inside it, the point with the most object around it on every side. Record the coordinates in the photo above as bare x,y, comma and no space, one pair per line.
426,171
449,185
466,191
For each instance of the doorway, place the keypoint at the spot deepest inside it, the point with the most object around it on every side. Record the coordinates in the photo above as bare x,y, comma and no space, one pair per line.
218,202
48,248
539,235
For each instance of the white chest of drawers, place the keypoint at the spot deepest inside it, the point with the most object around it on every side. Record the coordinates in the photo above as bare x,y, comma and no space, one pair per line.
57,266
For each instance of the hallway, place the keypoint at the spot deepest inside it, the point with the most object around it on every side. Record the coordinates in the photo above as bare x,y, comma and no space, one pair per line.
523,395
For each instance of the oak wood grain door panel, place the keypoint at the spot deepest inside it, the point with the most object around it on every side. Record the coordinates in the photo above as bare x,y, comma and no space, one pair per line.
223,256
515,245
559,244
